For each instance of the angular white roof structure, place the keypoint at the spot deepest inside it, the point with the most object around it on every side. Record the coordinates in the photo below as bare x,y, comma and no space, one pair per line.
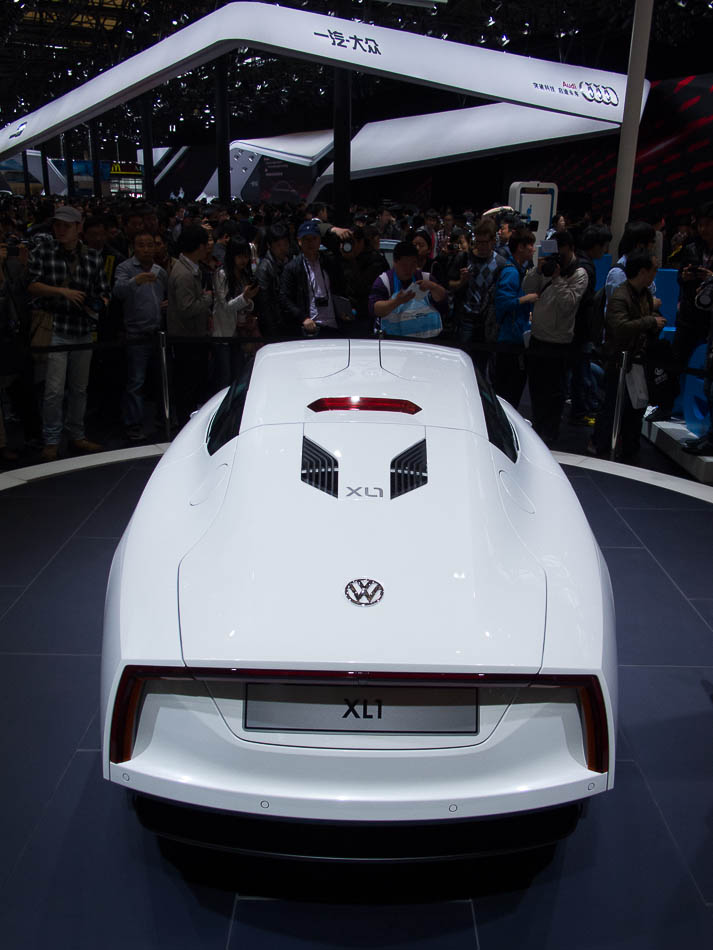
553,87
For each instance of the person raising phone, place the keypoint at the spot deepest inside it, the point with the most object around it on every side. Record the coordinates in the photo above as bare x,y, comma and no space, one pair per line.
234,294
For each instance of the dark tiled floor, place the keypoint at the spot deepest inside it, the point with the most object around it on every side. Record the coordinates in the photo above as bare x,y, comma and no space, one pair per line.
77,870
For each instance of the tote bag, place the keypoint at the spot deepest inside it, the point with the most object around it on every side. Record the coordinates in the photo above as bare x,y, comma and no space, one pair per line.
416,318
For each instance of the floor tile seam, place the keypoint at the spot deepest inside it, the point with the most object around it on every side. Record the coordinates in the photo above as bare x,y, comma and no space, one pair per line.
665,666
661,508
683,486
41,814
89,726
96,537
9,607
670,833
475,924
654,558
12,653
69,539
232,918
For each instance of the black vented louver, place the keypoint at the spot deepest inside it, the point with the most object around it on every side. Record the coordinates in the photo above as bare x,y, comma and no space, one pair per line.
319,468
409,470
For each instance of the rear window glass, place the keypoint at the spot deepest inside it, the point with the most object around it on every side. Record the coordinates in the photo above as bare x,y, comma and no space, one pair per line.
225,424
500,432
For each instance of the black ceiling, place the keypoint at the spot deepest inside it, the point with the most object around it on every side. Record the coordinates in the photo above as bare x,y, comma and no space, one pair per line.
51,46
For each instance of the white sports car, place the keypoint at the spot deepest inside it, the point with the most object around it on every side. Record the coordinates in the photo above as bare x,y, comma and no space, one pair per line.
359,589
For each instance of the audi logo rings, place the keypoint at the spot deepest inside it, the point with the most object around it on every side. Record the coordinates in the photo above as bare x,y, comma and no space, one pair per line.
594,93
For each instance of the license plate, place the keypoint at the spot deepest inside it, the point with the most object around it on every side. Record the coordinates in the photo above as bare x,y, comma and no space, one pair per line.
394,709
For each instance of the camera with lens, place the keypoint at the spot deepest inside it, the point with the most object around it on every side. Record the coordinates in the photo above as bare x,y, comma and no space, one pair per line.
347,246
550,265
704,296
321,301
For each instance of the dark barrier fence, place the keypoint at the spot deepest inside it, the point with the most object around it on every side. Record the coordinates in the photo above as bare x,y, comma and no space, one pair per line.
163,342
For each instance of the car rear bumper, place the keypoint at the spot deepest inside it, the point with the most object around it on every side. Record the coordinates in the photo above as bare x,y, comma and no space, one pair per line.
359,842
185,753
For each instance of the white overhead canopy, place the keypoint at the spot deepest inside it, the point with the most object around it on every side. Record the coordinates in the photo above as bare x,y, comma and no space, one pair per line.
574,90
416,141
300,148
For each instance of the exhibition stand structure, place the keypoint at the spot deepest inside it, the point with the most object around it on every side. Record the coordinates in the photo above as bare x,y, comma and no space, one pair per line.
591,95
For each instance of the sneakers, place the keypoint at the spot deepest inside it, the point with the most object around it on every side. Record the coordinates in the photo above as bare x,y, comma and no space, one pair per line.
582,421
84,445
49,453
135,434
658,415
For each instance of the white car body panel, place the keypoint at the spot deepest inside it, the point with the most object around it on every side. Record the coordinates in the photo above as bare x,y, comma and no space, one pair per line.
232,562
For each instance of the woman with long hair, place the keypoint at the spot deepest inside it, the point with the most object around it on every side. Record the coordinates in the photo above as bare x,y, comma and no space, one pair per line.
233,309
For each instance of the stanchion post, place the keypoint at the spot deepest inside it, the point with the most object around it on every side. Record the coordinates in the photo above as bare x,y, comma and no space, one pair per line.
619,405
45,170
165,392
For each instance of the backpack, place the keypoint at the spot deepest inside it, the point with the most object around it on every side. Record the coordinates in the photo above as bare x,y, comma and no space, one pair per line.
597,317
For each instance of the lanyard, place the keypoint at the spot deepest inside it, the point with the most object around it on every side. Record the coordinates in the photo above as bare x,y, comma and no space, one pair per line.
311,280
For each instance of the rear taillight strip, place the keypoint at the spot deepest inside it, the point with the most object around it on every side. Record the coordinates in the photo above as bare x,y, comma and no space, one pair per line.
364,404
588,687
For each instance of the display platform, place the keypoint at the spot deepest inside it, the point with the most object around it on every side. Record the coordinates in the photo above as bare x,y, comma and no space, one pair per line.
669,437
78,870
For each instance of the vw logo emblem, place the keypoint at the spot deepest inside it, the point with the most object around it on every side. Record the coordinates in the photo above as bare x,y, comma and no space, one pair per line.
364,592
594,93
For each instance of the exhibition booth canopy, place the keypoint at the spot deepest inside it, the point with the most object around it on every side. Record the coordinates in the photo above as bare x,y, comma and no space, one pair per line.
571,90
417,141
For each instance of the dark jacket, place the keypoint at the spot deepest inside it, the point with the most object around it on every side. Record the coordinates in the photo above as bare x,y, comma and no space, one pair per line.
294,288
631,323
583,317
272,319
689,315
360,273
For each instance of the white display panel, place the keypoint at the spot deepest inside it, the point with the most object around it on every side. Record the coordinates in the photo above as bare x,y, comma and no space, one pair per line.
573,90
415,141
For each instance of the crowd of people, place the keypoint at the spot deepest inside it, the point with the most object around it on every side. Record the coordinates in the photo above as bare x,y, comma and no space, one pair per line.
96,282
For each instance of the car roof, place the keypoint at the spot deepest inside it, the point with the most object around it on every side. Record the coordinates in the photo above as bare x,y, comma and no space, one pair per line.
289,378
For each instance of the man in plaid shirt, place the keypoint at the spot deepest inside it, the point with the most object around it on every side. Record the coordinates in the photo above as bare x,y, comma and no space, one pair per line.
67,279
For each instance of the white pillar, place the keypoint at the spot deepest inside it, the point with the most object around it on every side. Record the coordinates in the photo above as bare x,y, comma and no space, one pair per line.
629,134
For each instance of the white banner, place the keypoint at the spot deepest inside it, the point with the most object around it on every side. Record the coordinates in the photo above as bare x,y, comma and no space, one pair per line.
471,70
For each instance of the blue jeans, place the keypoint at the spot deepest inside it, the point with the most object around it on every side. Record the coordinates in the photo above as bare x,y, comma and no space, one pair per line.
138,358
70,368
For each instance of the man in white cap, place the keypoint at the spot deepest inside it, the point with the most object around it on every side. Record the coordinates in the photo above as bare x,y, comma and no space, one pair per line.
67,280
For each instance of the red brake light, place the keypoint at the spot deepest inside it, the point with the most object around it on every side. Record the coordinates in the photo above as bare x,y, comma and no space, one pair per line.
368,403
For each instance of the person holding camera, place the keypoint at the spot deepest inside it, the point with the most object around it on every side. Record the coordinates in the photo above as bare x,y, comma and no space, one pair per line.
560,285
478,280
309,284
69,289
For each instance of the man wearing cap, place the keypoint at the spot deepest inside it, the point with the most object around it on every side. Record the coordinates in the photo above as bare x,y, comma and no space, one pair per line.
68,282
308,286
